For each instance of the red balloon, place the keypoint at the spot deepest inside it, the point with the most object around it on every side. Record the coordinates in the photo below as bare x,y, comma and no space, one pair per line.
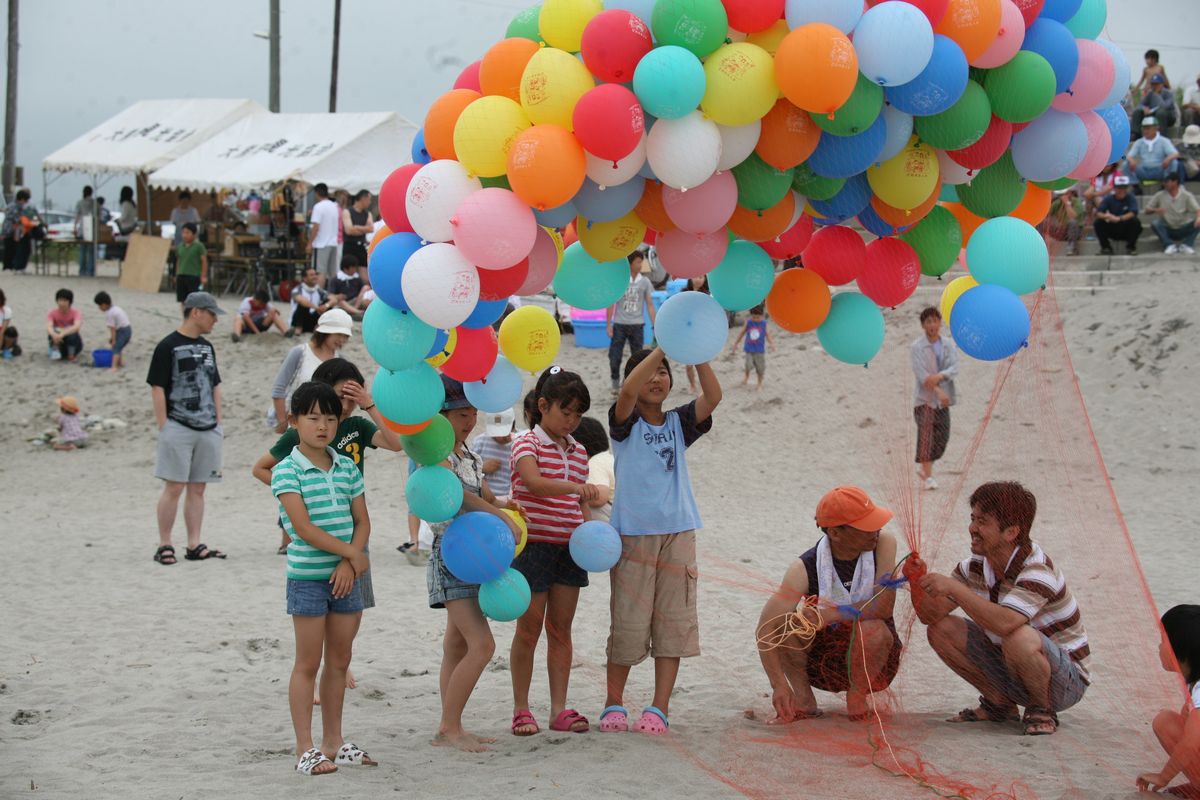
933,9
988,149
500,284
613,43
608,121
836,253
892,272
791,242
469,77
1030,9
391,198
751,16
474,355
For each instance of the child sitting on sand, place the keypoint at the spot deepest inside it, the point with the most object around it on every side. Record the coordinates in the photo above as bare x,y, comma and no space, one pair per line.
119,329
324,511
70,431
63,323
1179,731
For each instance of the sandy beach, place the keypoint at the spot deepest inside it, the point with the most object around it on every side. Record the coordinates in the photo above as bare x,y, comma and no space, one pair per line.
119,678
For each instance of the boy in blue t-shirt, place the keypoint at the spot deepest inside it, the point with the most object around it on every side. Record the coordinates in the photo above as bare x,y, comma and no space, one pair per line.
758,338
654,583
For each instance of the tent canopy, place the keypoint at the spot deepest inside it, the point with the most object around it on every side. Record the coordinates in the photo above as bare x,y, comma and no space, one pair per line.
346,151
148,135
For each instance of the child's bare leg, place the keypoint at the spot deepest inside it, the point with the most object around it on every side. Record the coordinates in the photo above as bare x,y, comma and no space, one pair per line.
617,676
560,612
414,531
666,670
454,649
168,504
193,512
520,656
466,617
746,377
340,630
310,637
760,382
273,318
1170,727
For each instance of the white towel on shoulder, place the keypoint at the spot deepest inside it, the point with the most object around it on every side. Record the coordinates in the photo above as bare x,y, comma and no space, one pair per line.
829,585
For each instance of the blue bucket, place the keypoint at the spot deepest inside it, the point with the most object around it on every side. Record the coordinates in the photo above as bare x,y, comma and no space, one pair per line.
591,333
102,358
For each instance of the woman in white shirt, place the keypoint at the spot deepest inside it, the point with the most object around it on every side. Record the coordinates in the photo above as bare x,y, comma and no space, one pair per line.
334,329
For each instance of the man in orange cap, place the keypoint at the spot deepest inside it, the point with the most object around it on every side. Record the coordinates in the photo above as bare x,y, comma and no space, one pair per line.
847,613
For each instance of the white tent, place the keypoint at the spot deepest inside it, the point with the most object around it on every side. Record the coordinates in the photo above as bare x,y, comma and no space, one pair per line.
347,151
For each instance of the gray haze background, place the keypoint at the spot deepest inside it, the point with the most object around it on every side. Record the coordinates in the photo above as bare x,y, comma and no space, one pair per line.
81,61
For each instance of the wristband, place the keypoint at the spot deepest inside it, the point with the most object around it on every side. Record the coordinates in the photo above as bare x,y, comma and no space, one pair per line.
368,408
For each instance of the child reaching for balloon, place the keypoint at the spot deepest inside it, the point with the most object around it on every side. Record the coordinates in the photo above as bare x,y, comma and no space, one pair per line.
654,583
549,478
1179,731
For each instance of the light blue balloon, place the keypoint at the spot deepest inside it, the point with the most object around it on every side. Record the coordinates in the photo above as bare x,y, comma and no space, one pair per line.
669,82
1121,76
1118,127
853,331
1060,10
894,43
605,204
899,130
1008,252
386,265
639,8
1052,41
477,547
743,278
434,494
595,546
1050,147
691,328
584,282
844,156
841,14
853,197
1088,20
419,154
497,392
557,217
989,322
939,85
408,397
876,224
396,339
505,598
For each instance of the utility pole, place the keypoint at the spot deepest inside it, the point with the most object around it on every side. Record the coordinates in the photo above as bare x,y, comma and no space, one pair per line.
333,72
273,36
10,104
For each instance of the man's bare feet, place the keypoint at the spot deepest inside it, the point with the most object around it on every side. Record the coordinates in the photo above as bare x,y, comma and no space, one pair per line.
461,740
856,706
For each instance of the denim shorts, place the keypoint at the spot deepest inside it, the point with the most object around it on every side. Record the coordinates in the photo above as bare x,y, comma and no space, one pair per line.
1067,683
443,586
545,563
122,338
315,599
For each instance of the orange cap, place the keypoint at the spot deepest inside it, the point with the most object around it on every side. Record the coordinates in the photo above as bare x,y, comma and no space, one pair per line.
850,505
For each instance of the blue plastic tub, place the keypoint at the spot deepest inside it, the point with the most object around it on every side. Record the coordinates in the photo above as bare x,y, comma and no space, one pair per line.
102,358
591,333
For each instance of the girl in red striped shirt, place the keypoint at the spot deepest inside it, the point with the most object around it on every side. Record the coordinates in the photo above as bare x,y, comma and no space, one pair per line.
549,480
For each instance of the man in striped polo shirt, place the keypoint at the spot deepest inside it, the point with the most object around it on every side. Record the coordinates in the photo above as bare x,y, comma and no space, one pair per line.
1022,642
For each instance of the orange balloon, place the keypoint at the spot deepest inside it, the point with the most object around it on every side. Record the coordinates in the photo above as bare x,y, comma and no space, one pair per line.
650,209
762,226
546,166
441,119
966,220
788,136
972,24
899,217
379,236
502,66
816,67
406,430
799,300
1034,206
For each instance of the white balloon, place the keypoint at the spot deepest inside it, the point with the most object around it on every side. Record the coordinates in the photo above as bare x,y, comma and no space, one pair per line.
440,285
606,172
684,152
433,195
952,172
899,130
737,143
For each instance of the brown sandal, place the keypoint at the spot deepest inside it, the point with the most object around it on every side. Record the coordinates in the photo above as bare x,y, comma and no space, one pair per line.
1039,721
987,712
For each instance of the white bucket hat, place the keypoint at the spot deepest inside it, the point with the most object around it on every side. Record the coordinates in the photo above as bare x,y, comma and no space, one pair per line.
335,320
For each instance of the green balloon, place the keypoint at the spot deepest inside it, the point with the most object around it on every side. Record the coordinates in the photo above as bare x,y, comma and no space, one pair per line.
937,240
431,445
500,181
814,186
1088,20
697,25
584,282
1022,89
995,190
853,331
959,126
525,24
1055,185
760,186
743,278
857,113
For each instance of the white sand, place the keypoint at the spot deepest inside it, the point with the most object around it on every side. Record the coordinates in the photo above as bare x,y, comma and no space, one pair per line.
121,678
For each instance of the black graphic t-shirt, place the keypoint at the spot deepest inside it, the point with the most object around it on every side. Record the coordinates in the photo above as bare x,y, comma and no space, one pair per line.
186,369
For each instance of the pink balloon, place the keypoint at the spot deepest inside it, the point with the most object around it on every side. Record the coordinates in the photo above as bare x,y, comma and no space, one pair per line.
493,228
469,77
892,273
1099,147
543,263
1092,82
686,255
704,208
1008,41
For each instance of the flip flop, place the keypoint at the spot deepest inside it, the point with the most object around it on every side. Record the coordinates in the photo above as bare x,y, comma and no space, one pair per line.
567,720
350,755
522,718
652,722
311,759
614,719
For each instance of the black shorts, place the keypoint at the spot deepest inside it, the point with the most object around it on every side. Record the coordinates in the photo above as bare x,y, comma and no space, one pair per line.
544,564
304,319
185,285
829,665
933,432
257,325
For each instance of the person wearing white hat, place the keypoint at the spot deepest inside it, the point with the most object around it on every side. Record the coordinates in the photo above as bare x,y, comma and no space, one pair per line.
333,329
494,445
1152,156
1191,106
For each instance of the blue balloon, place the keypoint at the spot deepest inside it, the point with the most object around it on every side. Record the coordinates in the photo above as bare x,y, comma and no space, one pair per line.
853,331
478,547
853,197
497,392
894,42
1120,86
1053,42
419,154
557,217
396,339
876,224
434,494
989,322
939,85
1008,252
1050,147
824,221
743,278
484,314
1060,10
505,598
843,156
669,82
899,131
608,203
595,546
408,397
691,328
440,339
1118,126
386,265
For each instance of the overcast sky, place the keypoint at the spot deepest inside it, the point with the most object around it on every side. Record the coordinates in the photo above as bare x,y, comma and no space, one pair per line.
82,61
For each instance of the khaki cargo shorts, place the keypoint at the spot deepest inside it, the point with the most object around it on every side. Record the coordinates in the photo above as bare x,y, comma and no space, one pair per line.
654,599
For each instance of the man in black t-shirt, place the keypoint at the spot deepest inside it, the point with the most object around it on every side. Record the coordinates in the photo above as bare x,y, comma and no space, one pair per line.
185,386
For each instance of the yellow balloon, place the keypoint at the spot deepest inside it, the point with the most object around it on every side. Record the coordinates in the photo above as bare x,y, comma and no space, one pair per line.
529,338
608,241
559,246
484,132
517,518
561,22
551,85
437,359
954,290
770,38
741,84
907,179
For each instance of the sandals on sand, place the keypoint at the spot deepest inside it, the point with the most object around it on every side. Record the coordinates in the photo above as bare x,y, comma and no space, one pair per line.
570,721
350,755
165,555
523,718
202,552
1039,721
987,712
652,722
312,759
614,719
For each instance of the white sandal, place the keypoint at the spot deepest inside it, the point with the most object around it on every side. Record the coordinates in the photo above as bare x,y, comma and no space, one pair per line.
310,760
350,755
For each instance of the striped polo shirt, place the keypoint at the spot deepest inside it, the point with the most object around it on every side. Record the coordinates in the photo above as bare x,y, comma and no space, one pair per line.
551,519
1034,587
327,498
